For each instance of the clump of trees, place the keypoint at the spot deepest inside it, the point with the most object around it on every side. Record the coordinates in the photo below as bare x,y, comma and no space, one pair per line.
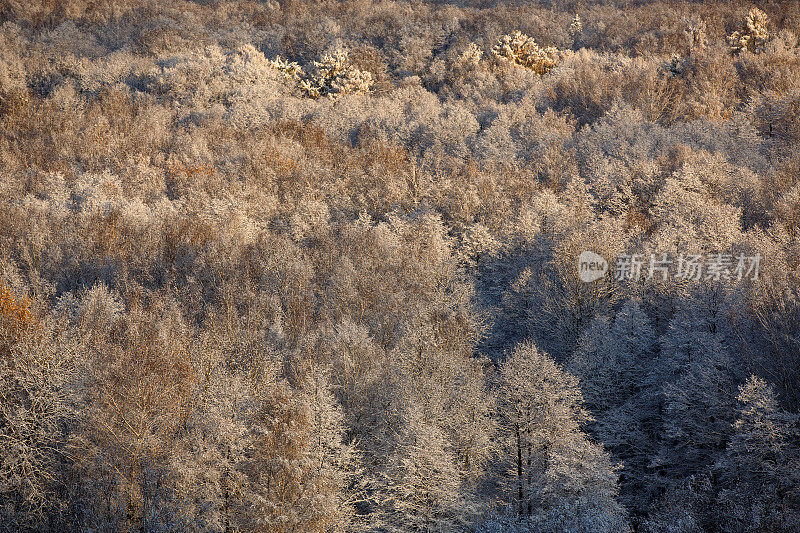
520,49
754,36
238,294
333,75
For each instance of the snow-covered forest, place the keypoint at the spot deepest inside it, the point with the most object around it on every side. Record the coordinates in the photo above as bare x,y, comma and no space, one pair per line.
312,266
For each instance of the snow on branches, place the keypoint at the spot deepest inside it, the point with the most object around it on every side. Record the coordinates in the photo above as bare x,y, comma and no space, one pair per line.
333,75
754,36
523,50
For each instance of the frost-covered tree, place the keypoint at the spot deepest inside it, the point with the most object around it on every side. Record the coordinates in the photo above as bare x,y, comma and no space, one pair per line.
39,378
757,474
688,220
613,361
424,487
357,376
445,431
698,412
520,49
697,373
334,76
696,33
549,461
141,381
753,36
560,305
300,467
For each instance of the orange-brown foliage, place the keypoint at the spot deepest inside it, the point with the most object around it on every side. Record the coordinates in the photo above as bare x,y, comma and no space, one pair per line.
16,318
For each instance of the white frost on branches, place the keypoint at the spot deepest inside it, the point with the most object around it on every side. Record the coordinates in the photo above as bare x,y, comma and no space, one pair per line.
576,26
696,33
522,50
334,75
754,37
472,55
290,69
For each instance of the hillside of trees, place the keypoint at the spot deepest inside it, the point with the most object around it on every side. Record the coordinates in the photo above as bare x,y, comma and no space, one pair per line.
312,266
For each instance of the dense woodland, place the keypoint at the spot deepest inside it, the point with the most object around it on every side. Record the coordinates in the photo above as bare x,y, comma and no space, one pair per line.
306,266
